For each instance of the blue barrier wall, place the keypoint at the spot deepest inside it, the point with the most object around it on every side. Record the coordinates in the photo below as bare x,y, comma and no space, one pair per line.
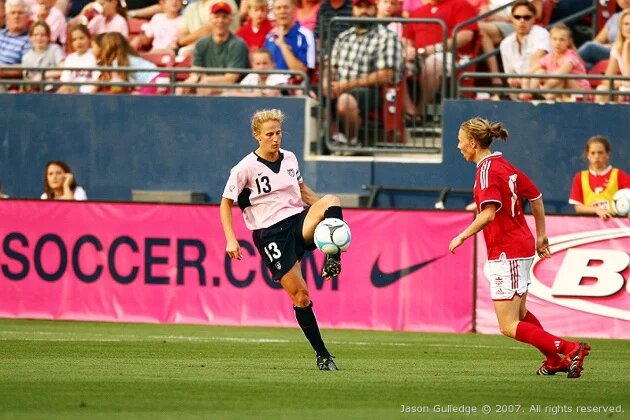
119,143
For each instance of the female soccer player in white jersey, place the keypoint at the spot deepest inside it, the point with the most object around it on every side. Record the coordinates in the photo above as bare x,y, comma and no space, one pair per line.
269,189
499,190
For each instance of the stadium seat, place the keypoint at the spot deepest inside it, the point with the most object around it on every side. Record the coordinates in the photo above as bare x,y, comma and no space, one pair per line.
598,68
183,62
163,59
548,6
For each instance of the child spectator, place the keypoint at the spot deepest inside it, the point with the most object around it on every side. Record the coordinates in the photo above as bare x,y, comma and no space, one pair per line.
116,52
563,59
262,60
82,59
43,54
257,26
105,16
56,20
161,32
60,184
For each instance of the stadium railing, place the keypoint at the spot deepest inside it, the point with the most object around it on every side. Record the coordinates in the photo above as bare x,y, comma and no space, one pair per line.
578,95
166,84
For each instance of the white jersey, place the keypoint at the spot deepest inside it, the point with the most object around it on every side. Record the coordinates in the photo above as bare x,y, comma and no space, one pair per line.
267,192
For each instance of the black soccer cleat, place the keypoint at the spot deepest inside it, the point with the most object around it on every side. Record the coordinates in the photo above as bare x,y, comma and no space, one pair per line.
548,370
326,363
332,266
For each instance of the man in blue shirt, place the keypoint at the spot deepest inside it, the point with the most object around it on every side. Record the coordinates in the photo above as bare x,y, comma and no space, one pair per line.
14,42
292,46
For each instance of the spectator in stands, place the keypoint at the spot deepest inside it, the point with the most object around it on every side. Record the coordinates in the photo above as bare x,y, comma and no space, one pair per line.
364,59
222,49
43,54
388,9
197,23
599,48
328,10
563,59
522,50
261,60
496,27
257,26
306,13
14,42
593,189
60,183
79,62
115,51
162,31
292,46
424,41
56,20
619,62
104,16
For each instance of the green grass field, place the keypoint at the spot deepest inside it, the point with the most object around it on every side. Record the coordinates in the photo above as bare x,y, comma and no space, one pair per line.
103,370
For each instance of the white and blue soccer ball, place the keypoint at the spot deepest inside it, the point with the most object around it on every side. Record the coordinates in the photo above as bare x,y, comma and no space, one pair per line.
332,236
621,202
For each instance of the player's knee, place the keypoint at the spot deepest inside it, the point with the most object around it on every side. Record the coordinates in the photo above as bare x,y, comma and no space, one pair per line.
301,298
331,200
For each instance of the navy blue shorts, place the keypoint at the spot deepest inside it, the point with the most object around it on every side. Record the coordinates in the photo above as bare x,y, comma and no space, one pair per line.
282,245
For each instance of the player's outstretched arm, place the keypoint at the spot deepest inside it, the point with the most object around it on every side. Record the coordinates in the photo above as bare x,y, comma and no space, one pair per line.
481,221
308,196
232,247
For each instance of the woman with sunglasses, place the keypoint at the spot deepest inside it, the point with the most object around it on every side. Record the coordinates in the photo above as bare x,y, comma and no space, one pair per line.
521,50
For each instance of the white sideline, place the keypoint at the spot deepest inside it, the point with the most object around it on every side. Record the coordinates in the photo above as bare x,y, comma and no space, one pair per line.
129,337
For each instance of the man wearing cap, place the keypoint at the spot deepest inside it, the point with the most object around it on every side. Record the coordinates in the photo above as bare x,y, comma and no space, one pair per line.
221,49
364,58
197,22
292,46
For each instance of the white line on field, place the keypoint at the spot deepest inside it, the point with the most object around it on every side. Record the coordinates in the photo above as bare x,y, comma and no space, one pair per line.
130,337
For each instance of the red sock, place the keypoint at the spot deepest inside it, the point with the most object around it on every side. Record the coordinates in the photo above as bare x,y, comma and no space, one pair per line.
553,359
529,317
547,343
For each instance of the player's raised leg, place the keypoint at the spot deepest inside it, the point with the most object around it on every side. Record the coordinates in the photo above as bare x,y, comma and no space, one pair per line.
295,286
326,207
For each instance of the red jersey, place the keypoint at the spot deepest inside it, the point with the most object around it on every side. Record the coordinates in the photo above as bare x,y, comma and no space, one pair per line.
598,183
497,181
451,12
254,39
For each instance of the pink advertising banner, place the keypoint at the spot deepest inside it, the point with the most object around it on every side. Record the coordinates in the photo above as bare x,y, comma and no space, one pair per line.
134,262
583,290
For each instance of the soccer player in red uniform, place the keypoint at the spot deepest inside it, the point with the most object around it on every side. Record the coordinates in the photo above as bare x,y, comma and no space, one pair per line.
269,189
593,189
499,190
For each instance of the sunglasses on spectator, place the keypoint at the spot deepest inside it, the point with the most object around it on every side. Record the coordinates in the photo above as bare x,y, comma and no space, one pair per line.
523,17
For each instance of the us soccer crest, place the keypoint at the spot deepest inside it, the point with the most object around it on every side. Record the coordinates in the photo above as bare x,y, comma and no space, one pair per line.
291,172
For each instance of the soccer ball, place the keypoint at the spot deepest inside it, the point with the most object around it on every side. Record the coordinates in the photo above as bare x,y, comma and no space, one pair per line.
621,202
332,236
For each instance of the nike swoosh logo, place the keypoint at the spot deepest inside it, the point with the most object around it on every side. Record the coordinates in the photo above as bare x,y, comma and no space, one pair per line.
382,279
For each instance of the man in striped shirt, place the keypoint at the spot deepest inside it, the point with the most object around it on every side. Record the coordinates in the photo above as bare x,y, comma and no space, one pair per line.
14,42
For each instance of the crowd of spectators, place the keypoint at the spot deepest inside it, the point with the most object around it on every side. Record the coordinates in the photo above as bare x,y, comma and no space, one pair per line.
225,34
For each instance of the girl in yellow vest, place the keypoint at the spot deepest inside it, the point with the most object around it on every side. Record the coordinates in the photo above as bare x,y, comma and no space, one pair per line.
593,189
